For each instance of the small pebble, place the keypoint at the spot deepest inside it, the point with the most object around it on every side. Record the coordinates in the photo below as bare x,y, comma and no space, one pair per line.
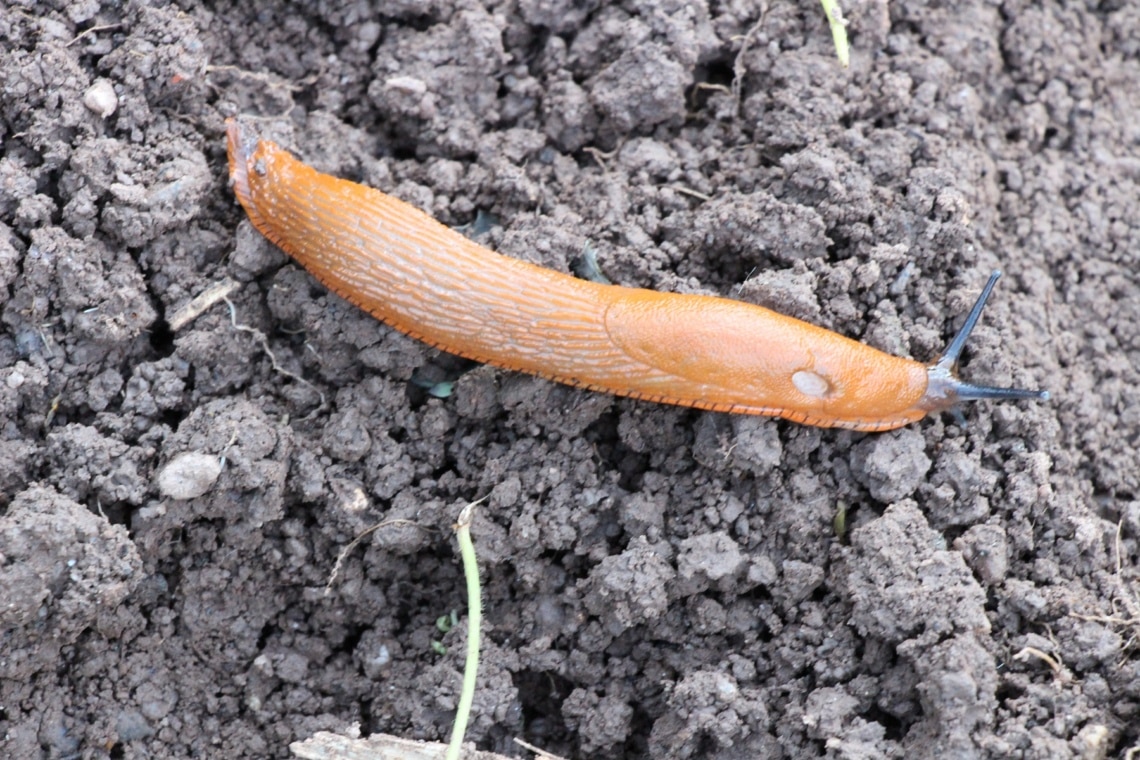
101,98
189,475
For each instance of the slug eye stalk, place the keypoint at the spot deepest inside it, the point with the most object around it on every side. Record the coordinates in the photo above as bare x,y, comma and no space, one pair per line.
945,390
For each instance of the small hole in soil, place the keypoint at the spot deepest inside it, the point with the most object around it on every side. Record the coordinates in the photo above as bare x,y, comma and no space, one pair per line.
161,338
542,695
1007,691
1128,740
116,514
267,631
367,727
640,727
894,728
716,73
615,454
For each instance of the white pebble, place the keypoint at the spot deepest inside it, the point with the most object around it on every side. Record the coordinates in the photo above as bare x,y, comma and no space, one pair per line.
408,84
189,475
101,98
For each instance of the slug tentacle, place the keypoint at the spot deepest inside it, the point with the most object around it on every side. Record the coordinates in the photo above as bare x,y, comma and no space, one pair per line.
944,390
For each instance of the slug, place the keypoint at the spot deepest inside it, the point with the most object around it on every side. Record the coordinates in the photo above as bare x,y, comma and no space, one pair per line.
425,280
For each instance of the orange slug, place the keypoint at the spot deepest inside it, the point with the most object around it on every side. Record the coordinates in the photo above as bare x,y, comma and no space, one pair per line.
425,280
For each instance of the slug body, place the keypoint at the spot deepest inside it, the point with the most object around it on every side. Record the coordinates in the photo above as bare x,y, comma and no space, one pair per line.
432,283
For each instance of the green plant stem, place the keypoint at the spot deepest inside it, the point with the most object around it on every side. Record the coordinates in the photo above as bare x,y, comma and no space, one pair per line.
474,621
838,31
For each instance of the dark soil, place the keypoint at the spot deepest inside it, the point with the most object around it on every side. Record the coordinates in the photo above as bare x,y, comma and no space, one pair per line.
175,489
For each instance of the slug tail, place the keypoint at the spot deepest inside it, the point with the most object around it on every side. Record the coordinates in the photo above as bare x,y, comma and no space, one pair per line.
945,390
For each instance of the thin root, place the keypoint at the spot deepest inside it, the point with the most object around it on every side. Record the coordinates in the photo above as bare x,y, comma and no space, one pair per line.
340,558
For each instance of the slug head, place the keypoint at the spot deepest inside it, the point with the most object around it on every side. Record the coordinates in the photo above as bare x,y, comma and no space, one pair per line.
944,390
